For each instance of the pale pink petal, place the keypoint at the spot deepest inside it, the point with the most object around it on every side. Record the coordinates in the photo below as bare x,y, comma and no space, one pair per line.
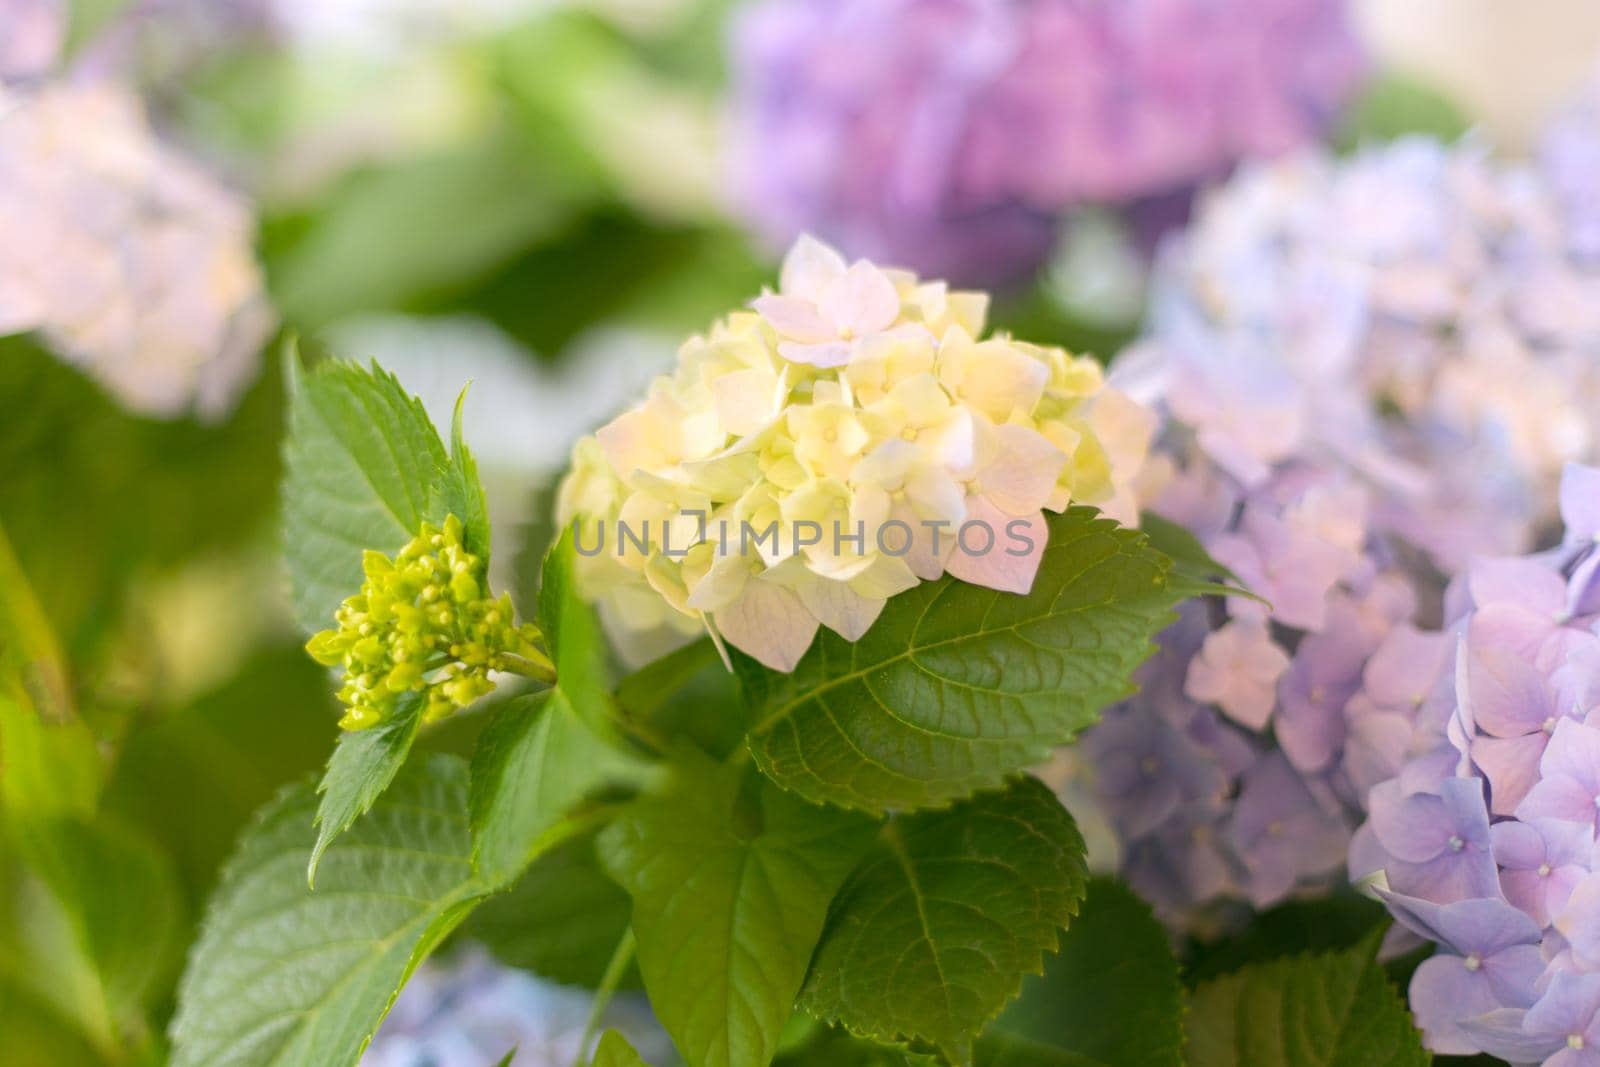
1013,554
930,544
794,318
1024,471
863,301
839,607
769,623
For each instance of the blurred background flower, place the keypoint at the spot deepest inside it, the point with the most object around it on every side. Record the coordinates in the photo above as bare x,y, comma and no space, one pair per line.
950,136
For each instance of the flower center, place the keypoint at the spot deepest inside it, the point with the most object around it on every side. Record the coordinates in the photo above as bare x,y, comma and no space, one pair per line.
1456,844
1544,870
1575,1042
1549,725
1473,962
1150,765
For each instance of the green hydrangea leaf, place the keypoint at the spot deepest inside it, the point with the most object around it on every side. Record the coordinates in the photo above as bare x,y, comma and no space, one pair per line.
577,647
614,1051
283,974
363,467
936,929
956,687
461,490
534,763
1001,1049
561,920
1331,1010
731,879
1112,994
363,764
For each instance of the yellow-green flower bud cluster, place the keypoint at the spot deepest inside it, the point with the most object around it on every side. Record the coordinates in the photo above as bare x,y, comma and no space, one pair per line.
424,623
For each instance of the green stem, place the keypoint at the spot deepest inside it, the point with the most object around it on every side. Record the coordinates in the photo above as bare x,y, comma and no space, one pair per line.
602,996
539,669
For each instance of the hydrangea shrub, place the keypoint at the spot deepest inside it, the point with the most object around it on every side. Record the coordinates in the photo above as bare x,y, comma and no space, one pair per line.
757,838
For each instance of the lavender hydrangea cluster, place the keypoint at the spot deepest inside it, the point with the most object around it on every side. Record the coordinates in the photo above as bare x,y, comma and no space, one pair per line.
1410,286
1484,840
1238,770
1333,345
949,135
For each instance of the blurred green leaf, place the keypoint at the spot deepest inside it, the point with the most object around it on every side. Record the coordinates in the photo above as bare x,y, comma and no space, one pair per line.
691,694
50,996
936,929
50,769
957,687
731,879
614,1051
1330,1010
284,974
611,266
395,237
93,495
120,895
561,920
1338,921
1396,105
1111,994
193,777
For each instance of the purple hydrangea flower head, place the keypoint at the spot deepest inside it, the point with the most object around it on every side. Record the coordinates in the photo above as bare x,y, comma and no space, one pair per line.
1496,814
950,135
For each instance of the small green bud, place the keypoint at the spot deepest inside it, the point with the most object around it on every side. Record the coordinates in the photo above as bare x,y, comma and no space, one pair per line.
390,635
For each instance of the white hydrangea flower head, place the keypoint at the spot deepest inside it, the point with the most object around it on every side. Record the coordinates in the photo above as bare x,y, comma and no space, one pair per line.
831,447
132,261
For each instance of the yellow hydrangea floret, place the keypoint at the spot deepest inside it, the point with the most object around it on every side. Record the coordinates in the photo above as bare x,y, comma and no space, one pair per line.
423,623
855,400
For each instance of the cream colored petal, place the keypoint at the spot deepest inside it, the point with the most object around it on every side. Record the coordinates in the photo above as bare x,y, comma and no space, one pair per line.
808,268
